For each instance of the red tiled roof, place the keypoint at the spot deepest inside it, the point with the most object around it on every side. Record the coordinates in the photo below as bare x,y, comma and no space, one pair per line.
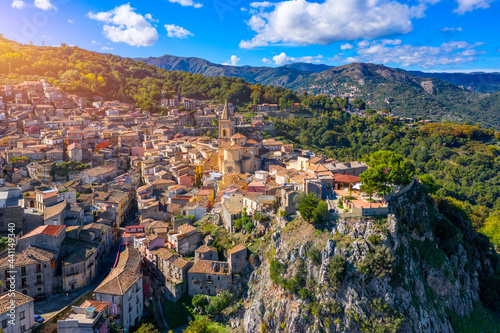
50,230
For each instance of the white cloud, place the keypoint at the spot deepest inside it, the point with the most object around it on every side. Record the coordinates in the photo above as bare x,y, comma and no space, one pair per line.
105,48
177,32
233,61
70,21
267,61
451,29
469,5
298,22
346,46
123,24
44,5
18,4
282,59
94,42
187,3
391,52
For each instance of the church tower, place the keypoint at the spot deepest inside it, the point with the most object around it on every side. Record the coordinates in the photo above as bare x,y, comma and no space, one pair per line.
226,127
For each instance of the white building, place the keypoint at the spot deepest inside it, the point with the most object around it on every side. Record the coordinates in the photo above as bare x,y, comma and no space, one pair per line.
123,287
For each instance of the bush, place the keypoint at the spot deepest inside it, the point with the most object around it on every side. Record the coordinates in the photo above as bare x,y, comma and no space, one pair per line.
218,303
200,301
201,325
374,239
378,262
276,270
336,271
314,255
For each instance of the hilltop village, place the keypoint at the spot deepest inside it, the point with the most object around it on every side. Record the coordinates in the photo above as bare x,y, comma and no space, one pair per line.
112,200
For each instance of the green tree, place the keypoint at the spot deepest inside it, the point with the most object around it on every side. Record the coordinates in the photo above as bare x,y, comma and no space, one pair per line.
147,328
378,262
336,271
200,301
201,325
218,303
307,205
430,183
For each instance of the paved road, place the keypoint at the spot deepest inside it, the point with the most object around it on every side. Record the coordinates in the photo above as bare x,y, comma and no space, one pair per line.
57,302
158,307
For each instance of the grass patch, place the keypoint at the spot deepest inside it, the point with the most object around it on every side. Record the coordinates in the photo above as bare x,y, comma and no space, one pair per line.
480,321
177,313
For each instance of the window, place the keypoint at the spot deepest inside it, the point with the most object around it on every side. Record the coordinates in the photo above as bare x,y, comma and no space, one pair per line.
4,323
38,267
23,282
21,315
23,270
38,279
23,328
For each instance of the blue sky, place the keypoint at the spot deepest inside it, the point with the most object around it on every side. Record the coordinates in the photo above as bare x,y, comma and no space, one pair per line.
429,35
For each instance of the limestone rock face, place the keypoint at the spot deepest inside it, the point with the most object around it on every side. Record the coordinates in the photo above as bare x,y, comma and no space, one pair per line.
425,282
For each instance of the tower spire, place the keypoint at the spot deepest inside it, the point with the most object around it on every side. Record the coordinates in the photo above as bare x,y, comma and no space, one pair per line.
225,112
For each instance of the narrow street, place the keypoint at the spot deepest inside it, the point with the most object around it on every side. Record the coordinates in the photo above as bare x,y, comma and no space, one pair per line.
57,302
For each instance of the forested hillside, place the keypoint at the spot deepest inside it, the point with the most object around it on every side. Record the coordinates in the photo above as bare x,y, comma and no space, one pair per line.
111,77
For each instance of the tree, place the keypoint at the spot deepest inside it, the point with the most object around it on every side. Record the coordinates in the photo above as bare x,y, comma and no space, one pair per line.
200,301
378,262
430,183
307,206
147,328
387,168
320,213
201,325
336,271
218,303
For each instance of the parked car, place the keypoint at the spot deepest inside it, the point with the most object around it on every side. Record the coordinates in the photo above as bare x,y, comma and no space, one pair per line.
39,298
39,319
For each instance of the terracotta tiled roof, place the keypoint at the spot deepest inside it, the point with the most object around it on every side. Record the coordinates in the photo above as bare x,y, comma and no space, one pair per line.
99,306
210,267
180,263
50,230
17,297
205,249
237,248
124,275
186,228
34,255
54,210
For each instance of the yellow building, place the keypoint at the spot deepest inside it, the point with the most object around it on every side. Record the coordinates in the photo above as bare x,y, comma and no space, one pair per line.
236,155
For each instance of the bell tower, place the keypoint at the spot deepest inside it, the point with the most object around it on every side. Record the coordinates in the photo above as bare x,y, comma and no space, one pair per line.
226,127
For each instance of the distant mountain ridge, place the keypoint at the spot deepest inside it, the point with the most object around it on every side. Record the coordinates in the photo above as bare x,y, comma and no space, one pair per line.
291,75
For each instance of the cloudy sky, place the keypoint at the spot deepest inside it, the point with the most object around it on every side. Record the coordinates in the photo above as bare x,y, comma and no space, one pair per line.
429,35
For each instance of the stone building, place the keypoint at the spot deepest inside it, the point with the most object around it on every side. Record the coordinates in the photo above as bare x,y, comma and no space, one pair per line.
237,258
35,269
209,277
206,253
24,318
184,240
172,271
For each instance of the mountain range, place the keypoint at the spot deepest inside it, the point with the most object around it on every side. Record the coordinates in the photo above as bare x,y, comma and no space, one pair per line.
450,96
294,75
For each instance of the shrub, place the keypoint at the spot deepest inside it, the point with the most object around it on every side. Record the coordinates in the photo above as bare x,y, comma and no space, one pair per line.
374,239
336,271
314,255
218,303
200,301
378,262
276,270
201,325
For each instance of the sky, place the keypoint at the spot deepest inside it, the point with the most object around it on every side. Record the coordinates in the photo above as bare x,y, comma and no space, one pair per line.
427,35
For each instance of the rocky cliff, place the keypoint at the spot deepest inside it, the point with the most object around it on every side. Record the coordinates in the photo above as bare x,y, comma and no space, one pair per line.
421,269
